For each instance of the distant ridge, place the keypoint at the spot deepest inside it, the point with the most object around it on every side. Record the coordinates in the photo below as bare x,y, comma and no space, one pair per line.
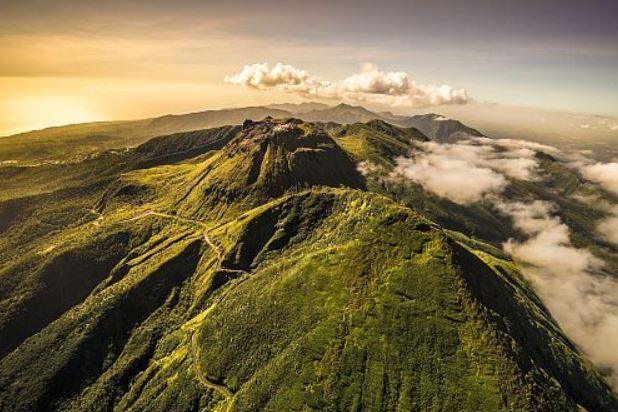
79,140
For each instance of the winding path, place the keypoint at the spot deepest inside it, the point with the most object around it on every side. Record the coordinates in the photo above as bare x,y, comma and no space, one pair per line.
225,392
222,390
197,366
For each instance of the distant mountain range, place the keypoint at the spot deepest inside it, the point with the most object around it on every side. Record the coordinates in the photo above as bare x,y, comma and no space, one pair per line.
77,141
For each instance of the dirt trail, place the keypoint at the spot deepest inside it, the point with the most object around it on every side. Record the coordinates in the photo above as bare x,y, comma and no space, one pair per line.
225,392
222,390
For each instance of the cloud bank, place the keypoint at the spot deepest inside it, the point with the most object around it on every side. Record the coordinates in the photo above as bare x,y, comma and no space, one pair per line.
584,303
469,170
369,86
608,226
605,174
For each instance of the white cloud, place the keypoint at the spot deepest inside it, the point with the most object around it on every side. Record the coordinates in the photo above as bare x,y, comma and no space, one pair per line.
608,226
451,178
516,144
583,302
469,170
549,245
369,86
605,174
283,76
609,122
368,168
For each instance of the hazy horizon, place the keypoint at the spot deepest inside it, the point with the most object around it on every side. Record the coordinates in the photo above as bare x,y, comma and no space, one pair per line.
73,62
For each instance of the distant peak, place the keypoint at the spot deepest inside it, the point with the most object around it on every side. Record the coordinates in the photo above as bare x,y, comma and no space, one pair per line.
348,106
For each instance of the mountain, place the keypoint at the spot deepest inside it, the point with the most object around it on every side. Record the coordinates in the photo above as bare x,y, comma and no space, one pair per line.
74,143
342,113
255,267
264,161
434,126
299,108
376,140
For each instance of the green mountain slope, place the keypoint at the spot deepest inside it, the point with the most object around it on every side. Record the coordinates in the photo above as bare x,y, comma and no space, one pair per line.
325,299
251,268
376,141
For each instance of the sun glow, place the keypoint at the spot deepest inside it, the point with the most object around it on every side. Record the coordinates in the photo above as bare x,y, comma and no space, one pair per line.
39,112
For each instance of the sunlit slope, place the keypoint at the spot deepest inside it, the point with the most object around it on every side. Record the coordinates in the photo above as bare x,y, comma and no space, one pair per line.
248,268
74,142
376,308
328,299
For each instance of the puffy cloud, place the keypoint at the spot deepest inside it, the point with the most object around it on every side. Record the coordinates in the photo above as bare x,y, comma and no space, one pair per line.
608,227
605,174
283,77
584,302
469,170
452,178
367,168
369,86
549,245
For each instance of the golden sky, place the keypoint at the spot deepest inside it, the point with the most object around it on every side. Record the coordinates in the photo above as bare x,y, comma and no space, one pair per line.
64,61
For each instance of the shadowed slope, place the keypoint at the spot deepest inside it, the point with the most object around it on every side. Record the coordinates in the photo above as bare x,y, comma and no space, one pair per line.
265,160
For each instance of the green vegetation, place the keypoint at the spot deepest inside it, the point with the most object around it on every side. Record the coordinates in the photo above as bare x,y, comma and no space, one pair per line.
241,269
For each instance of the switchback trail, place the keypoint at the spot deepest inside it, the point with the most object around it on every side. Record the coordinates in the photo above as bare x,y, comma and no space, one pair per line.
222,390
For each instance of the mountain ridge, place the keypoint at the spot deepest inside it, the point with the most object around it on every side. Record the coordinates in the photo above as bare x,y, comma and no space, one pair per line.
78,141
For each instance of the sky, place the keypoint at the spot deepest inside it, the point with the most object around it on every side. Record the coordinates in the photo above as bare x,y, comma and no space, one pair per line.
68,61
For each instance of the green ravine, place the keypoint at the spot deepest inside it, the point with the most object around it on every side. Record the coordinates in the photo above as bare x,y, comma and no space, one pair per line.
255,267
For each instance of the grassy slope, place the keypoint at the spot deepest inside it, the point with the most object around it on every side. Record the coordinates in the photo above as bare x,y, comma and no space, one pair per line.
349,300
341,318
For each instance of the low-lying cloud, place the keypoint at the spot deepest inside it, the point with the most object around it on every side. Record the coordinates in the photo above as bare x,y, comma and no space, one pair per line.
369,86
608,226
548,246
583,301
605,174
468,170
